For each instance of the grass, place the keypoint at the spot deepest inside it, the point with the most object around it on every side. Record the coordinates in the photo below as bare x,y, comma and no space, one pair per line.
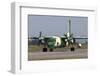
37,48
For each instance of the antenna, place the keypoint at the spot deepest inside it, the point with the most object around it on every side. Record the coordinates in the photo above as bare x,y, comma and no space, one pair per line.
69,25
40,34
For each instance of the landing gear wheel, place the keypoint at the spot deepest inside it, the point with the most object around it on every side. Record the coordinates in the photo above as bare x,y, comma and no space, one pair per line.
51,50
45,49
72,49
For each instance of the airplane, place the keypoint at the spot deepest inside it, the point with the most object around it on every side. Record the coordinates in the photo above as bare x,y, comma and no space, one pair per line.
53,42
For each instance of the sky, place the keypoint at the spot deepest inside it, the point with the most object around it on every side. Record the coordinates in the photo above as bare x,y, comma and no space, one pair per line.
57,25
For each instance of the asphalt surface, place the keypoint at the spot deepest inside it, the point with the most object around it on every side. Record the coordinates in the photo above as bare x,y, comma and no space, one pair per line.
78,53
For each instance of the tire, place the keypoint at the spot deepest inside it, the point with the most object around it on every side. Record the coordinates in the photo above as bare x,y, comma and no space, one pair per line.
45,49
72,49
51,50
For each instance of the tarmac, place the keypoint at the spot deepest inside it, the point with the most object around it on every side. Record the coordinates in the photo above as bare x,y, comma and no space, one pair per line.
77,54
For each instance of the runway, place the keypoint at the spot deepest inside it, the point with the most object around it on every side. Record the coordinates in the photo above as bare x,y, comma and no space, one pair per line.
78,53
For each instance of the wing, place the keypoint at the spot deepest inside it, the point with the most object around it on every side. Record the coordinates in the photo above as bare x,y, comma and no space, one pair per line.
63,37
81,38
33,38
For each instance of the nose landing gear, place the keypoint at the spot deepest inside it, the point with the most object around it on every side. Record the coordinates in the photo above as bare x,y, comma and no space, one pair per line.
51,50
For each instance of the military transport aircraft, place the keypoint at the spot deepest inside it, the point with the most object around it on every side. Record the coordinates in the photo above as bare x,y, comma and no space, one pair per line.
52,42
